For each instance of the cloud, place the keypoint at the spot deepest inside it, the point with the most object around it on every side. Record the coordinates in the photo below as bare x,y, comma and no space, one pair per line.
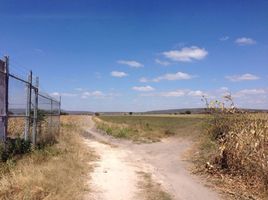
64,94
169,77
161,62
55,94
118,74
247,92
186,54
243,77
146,88
143,80
224,38
245,41
96,93
131,63
173,77
196,93
224,88
178,93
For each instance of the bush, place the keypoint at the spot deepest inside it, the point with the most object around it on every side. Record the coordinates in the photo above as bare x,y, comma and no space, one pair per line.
188,112
97,114
122,133
14,147
169,133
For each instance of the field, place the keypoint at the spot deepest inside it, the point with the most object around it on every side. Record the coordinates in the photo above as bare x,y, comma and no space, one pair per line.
230,148
151,128
58,171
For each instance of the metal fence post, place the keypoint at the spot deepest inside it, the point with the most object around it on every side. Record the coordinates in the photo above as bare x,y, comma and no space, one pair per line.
28,107
51,114
59,113
35,117
4,68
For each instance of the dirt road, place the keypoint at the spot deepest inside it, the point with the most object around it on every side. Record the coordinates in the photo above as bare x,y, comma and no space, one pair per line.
116,175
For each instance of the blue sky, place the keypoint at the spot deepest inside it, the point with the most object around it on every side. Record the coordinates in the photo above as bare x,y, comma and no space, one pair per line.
104,55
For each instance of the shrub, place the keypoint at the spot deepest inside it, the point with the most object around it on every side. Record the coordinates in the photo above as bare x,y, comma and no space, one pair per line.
169,132
122,133
14,147
188,112
97,114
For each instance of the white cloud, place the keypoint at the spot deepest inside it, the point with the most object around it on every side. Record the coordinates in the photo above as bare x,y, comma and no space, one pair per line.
169,77
96,93
247,92
186,54
64,94
146,88
55,94
196,93
224,88
118,74
173,77
143,80
245,41
161,62
131,63
224,38
177,93
243,77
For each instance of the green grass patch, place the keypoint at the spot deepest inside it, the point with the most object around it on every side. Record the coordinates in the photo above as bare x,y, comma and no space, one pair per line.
151,128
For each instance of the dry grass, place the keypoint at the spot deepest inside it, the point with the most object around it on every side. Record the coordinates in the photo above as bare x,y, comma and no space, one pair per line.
56,172
47,129
16,127
150,128
151,190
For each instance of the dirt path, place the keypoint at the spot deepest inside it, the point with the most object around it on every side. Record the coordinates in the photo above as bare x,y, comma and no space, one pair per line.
116,172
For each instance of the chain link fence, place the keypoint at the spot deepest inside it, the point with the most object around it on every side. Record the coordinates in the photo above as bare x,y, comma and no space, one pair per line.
25,111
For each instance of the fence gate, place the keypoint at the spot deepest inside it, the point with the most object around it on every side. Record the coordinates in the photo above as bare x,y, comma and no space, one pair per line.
3,98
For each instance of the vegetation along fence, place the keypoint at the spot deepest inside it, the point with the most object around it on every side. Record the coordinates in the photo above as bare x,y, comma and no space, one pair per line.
25,111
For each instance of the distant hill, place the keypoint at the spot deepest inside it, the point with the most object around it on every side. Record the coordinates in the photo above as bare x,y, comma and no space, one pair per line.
78,112
197,111
168,111
177,111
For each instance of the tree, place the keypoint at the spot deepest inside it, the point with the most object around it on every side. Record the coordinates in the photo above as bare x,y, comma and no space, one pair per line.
97,114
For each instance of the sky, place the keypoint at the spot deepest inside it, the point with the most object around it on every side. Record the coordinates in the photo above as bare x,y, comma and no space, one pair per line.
126,55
